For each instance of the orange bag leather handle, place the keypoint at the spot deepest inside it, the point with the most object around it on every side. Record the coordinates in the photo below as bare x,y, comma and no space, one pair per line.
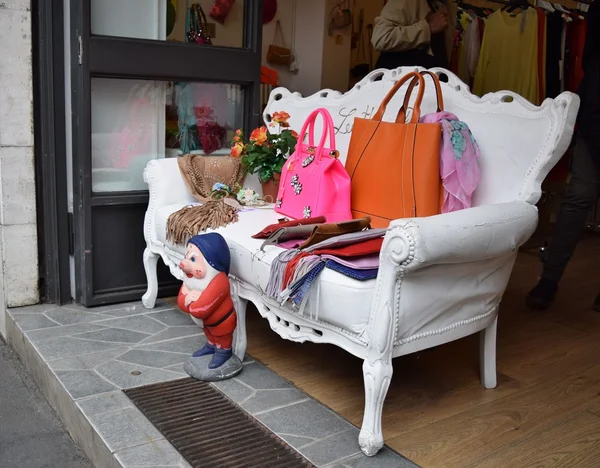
417,106
401,117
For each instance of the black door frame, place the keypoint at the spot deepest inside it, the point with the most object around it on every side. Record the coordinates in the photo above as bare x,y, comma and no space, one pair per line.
126,58
50,150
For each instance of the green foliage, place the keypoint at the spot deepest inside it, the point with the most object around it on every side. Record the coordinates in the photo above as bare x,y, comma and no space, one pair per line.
267,158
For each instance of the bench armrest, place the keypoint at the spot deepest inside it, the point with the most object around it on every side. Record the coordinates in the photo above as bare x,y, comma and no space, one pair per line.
465,236
166,187
165,183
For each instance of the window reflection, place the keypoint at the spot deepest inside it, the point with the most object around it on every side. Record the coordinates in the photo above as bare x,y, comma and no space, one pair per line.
169,19
136,121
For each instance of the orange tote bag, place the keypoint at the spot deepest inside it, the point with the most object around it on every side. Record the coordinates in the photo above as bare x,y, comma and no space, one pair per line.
395,166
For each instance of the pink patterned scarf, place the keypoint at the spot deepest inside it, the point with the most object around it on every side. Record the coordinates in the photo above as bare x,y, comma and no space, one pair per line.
459,168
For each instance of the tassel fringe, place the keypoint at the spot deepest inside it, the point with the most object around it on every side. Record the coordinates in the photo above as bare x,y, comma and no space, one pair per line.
192,220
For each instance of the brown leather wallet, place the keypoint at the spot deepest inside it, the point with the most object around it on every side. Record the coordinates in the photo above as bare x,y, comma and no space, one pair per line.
285,223
326,231
289,233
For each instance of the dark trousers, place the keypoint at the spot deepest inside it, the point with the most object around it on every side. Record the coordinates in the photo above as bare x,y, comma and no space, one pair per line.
580,197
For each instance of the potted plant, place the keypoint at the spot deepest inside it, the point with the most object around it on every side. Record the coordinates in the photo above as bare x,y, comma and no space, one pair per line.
265,153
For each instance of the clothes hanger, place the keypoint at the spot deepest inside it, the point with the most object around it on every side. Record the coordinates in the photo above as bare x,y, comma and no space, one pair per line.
515,5
546,6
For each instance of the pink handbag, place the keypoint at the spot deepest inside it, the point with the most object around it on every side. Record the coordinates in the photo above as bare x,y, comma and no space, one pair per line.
314,181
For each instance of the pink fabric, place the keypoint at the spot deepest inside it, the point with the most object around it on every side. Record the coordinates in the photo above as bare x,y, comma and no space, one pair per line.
291,244
135,138
459,168
313,181
363,262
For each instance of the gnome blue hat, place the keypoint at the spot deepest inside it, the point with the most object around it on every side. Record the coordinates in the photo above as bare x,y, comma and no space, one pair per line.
214,249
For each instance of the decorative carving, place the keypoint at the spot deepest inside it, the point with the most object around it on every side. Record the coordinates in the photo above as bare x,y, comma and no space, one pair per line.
401,252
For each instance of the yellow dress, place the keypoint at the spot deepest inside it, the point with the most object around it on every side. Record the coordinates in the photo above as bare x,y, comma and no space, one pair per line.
508,57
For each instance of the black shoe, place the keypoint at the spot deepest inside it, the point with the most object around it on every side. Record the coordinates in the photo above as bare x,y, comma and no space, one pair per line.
597,303
542,296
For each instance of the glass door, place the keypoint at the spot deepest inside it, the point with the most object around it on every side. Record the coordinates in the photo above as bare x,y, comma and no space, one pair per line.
141,89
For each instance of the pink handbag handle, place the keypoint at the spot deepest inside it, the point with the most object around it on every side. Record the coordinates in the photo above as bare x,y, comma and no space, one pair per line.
328,129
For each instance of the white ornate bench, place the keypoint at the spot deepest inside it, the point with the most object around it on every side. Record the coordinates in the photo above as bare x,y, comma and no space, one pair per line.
440,279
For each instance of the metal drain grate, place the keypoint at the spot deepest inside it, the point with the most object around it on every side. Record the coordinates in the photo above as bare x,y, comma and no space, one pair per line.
209,430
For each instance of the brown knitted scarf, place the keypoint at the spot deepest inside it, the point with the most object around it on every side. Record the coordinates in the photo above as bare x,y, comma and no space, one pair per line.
200,174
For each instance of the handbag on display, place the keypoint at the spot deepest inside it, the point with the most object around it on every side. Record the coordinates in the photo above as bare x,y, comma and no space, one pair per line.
220,10
313,180
279,54
395,166
196,25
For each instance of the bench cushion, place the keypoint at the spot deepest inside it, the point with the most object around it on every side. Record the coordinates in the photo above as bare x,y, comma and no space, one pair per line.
336,298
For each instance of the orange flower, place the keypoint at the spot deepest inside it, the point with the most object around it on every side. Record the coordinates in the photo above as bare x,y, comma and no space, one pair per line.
281,118
295,134
237,150
237,139
238,132
259,135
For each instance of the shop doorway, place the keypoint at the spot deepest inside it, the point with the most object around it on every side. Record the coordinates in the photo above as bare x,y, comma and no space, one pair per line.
141,91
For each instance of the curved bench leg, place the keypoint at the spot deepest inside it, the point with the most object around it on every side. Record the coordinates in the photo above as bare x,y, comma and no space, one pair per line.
377,376
240,340
150,264
487,354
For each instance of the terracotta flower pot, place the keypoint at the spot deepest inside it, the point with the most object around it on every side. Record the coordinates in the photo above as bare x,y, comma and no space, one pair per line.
270,188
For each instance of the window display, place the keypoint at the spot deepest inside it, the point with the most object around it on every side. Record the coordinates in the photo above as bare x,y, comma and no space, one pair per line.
221,21
136,121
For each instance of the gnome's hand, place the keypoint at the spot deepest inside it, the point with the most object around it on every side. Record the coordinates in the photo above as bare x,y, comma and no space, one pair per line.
191,297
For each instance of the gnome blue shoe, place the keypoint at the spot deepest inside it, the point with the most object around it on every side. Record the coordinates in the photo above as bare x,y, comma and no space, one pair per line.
220,357
205,350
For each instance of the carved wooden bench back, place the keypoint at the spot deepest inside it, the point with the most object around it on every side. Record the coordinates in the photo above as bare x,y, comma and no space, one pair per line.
519,142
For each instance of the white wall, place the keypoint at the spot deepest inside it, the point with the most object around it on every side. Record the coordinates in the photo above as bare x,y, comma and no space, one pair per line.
18,230
336,53
285,16
323,63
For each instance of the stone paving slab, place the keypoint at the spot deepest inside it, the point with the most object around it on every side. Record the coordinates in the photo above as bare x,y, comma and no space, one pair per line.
85,357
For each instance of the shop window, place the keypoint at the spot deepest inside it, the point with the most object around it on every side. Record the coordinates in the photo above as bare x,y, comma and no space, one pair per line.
169,19
136,121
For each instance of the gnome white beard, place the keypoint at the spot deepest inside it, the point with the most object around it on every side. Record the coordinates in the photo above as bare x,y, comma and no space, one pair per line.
195,284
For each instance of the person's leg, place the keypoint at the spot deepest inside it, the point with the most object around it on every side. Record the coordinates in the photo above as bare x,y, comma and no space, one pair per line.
580,196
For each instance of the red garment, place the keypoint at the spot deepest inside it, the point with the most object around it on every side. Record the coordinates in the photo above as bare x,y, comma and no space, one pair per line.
454,53
290,268
215,308
540,58
368,247
576,36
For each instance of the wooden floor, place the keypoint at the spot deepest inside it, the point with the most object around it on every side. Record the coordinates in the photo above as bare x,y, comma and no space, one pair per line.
545,411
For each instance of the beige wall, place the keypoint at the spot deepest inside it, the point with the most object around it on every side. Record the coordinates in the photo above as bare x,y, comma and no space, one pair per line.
372,9
18,231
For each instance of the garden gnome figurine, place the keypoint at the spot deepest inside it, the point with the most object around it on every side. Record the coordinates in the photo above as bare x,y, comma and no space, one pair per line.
205,295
